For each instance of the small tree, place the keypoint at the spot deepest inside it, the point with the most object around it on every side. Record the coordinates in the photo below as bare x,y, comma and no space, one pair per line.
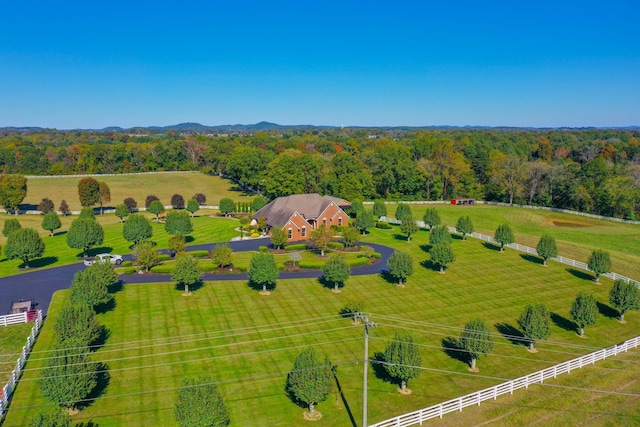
156,207
200,198
51,417
91,286
46,206
51,222
199,404
352,308
504,236
122,212
403,210
84,234
464,226
278,237
547,248
350,236
402,359
295,257
321,237
442,255
77,322
584,311
476,340
408,227
336,270
137,229
400,266
258,203
599,262
146,255
534,322
69,375
10,225
88,191
64,208
104,194
222,255
193,206
364,221
439,234
177,201
355,208
177,244
227,206
263,270
187,271
24,244
431,218
379,208
311,379
178,222
150,199
624,297
131,204
87,213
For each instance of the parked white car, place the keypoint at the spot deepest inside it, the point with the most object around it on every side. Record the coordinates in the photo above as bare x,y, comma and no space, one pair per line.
113,259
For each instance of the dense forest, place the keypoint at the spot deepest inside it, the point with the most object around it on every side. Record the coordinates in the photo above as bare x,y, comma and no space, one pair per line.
595,170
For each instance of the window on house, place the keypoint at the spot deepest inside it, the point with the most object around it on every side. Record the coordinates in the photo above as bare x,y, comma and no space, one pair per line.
340,222
304,231
324,221
289,233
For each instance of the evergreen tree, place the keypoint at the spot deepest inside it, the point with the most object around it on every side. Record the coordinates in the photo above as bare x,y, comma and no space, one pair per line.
402,359
356,207
547,248
476,340
311,379
584,311
504,235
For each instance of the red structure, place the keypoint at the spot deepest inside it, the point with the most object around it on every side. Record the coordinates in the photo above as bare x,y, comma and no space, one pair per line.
461,202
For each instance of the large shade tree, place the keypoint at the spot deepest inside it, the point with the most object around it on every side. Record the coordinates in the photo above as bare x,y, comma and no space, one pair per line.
88,191
84,234
402,359
584,311
311,379
624,297
13,190
24,244
400,266
476,340
336,271
263,270
534,322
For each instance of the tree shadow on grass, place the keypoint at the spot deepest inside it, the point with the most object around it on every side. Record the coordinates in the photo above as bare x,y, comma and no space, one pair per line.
116,287
192,287
511,333
377,364
60,233
105,333
107,306
258,286
189,239
580,274
386,275
95,251
41,262
401,237
492,246
89,423
430,265
425,247
563,322
327,284
607,311
103,380
451,346
532,258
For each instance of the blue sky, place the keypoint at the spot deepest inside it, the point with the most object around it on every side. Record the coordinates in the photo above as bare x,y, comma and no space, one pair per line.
377,63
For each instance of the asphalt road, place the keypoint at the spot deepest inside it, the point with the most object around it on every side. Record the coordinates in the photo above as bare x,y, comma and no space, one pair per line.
40,285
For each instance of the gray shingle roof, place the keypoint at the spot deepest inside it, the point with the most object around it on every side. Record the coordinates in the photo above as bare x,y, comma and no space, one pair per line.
310,206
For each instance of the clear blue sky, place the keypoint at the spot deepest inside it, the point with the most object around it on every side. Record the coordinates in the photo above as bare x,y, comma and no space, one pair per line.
91,64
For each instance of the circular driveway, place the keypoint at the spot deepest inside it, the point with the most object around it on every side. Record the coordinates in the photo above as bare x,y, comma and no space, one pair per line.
40,285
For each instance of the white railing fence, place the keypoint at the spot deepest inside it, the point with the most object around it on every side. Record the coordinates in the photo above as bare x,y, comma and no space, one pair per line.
7,390
437,411
14,319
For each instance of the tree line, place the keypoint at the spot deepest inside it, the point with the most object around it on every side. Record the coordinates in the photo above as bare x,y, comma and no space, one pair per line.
595,170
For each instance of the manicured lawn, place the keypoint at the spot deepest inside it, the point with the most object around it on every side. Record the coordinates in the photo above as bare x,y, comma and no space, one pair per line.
162,185
248,342
12,339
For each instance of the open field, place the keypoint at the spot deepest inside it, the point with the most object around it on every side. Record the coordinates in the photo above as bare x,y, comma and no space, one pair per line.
162,185
12,339
248,342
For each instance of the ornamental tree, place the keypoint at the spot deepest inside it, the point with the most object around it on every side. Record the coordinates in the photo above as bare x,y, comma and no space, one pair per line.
177,243
431,218
88,191
46,206
584,311
187,271
227,206
400,266
137,229
84,234
193,206
13,190
199,403
178,222
476,340
177,201
146,255
10,225
336,270
24,244
547,248
156,207
364,221
122,211
464,226
504,236
200,198
311,379
442,255
409,226
263,270
440,234
150,199
403,210
51,222
350,236
599,262
278,237
624,297
402,359
64,208
104,194
534,322
222,255
321,237
379,208
131,204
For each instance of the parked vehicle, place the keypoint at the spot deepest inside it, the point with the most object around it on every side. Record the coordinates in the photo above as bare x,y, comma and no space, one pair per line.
113,259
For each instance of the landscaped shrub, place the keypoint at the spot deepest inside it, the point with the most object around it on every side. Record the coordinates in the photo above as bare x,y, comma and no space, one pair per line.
376,255
358,261
296,247
199,254
335,245
383,225
311,263
163,269
126,264
164,257
129,270
263,248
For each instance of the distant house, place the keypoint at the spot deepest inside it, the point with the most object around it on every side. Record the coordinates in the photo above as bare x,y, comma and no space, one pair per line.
298,214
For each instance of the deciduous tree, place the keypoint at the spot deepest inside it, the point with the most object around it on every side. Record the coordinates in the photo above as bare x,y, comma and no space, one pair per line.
122,212
476,340
178,222
64,208
258,203
400,266
320,238
10,225
222,255
534,322
146,255
464,226
547,248
77,322
263,270
409,227
350,236
51,222
227,206
131,204
504,235
137,229
336,270
177,244
624,297
442,255
150,199
104,194
91,286
187,271
200,198
199,403
278,237
364,221
88,191
156,207
584,311
24,244
440,234
379,208
193,206
46,206
177,201
599,262
51,417
13,190
311,379
431,218
84,234
402,359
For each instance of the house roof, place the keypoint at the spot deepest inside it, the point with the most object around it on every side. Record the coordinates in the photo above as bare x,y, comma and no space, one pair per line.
310,206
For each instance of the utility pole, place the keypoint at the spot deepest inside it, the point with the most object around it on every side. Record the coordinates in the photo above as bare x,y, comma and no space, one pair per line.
367,324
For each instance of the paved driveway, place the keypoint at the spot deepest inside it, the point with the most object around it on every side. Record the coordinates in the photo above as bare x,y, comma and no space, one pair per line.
41,284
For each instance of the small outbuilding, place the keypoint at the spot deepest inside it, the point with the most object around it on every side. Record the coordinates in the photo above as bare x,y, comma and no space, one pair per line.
463,202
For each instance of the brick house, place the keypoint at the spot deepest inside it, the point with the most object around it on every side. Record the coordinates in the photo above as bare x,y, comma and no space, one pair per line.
298,214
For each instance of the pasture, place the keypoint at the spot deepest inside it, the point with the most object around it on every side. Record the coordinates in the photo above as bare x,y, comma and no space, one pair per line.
248,342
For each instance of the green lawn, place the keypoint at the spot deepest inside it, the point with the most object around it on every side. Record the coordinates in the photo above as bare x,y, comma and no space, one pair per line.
248,342
12,339
162,185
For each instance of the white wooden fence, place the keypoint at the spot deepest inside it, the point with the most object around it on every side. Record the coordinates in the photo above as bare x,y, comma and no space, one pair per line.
437,411
14,319
7,390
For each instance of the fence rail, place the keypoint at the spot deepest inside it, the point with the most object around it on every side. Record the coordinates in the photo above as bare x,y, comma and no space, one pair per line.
472,399
7,390
14,319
